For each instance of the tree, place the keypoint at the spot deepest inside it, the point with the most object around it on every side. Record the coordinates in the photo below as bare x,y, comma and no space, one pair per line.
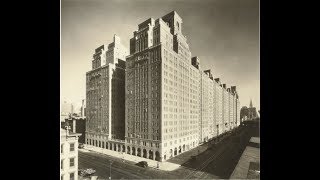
244,111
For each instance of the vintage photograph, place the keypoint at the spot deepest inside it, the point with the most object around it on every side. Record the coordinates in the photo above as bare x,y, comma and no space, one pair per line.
159,89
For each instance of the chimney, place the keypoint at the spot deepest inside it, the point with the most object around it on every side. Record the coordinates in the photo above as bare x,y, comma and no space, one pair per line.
116,39
211,76
208,72
82,109
71,109
233,89
67,130
74,125
97,50
195,61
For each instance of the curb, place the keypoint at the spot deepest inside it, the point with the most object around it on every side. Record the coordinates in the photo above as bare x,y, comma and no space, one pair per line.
100,151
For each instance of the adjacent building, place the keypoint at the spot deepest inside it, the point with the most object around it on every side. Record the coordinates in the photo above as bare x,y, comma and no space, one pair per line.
105,94
68,155
219,106
76,125
206,106
236,107
238,110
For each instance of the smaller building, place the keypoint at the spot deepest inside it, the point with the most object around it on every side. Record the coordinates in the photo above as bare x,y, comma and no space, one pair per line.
68,155
77,125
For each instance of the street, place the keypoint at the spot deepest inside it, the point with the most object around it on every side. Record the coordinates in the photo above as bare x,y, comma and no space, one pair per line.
119,169
102,166
212,161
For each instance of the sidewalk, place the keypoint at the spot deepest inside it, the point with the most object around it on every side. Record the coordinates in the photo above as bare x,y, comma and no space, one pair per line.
165,166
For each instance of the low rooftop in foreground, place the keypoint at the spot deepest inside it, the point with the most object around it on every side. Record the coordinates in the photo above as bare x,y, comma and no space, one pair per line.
255,140
248,166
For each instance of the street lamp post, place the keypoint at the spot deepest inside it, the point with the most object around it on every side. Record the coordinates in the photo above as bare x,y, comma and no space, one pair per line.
110,169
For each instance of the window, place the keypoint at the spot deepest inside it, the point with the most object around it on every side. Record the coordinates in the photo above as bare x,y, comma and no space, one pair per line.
61,148
71,147
71,162
71,176
61,164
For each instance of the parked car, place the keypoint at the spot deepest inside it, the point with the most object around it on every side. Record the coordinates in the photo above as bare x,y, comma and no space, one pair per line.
143,164
81,146
193,158
86,172
211,147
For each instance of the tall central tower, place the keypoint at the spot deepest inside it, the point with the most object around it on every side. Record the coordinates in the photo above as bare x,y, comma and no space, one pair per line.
162,91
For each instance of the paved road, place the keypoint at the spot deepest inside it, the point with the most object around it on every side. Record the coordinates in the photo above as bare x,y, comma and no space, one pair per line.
101,165
212,163
119,169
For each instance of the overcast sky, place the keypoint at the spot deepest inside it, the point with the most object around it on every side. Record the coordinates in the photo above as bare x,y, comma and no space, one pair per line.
224,34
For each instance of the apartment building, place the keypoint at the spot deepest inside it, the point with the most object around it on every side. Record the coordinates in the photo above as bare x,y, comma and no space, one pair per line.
105,95
68,155
172,105
159,102
162,111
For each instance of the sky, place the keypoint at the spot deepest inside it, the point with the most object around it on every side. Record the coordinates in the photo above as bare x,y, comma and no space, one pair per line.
224,34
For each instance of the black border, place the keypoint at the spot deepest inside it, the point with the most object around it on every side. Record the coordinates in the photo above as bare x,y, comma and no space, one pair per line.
283,83
52,170
274,116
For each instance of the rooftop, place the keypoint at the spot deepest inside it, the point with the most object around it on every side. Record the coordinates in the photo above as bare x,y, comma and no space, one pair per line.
248,166
255,140
172,13
63,132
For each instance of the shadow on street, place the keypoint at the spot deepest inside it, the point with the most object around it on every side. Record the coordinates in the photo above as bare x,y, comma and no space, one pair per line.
218,157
